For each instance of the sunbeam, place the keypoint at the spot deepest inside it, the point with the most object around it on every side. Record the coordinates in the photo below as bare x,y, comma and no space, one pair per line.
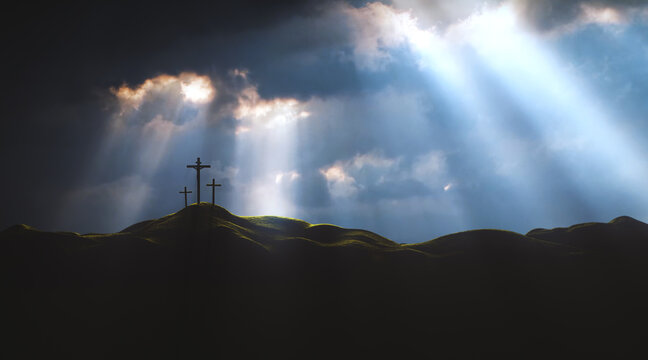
575,125
440,57
265,152
409,118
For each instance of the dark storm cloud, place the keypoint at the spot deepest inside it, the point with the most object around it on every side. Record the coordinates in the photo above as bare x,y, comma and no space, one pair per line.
543,15
546,15
439,13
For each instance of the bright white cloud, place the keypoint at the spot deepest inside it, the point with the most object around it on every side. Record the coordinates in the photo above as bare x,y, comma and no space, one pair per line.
132,98
193,88
376,28
347,178
286,177
340,184
253,111
340,176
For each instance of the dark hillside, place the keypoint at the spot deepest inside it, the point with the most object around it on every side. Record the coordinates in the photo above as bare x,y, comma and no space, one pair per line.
206,283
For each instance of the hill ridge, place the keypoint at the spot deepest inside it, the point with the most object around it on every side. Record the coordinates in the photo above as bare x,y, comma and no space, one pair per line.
276,232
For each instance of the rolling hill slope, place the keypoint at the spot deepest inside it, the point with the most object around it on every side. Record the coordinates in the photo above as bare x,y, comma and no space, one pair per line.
206,283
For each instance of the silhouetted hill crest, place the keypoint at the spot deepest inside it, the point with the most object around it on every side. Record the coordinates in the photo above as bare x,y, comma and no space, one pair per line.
271,233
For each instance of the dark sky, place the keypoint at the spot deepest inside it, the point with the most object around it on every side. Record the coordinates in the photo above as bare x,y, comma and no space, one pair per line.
409,118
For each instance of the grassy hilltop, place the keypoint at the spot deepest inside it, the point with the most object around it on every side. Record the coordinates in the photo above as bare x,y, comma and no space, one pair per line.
205,282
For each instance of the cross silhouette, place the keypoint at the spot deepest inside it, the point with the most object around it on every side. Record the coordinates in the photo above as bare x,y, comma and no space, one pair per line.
198,166
185,192
213,186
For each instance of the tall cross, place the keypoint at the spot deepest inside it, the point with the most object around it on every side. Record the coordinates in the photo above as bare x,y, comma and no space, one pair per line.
185,192
213,186
198,166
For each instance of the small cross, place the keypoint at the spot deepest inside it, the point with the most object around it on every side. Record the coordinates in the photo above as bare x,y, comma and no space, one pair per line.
185,192
213,186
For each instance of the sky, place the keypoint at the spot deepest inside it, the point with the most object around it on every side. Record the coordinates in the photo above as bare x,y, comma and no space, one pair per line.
412,119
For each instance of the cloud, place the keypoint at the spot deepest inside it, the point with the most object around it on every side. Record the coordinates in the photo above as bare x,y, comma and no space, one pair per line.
371,159
193,88
253,112
196,89
440,14
559,15
375,176
375,29
429,168
223,173
240,107
286,177
162,98
378,29
340,184
372,177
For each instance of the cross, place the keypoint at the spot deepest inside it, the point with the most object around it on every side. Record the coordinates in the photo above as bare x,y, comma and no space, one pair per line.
185,192
198,166
213,186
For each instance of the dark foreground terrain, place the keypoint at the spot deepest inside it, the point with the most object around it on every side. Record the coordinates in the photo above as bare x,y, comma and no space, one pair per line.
203,283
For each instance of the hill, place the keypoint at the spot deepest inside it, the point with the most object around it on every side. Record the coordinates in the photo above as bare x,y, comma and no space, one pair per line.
206,283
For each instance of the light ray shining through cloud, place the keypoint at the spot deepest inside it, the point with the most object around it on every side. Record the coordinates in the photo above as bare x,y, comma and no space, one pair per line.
266,151
410,118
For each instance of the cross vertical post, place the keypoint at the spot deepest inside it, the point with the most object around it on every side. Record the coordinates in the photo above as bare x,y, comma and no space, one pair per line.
213,186
198,167
185,192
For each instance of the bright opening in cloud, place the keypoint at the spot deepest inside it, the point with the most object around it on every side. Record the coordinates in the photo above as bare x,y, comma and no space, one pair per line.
193,88
254,112
197,89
